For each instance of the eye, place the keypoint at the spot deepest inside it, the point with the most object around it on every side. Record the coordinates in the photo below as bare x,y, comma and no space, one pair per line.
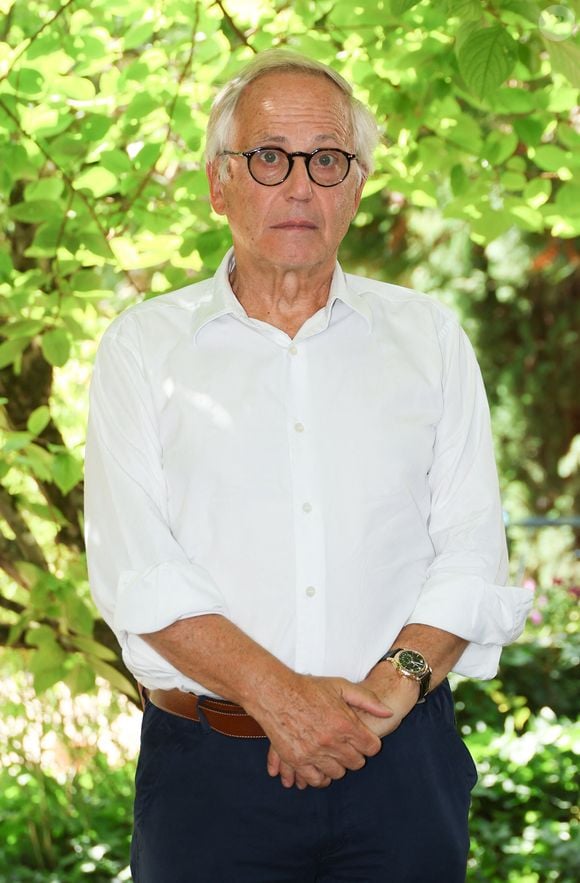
269,157
325,160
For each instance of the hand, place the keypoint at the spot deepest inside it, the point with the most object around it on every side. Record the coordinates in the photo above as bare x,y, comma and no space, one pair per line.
315,732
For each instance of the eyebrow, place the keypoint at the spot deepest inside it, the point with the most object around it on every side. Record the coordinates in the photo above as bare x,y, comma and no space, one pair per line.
281,139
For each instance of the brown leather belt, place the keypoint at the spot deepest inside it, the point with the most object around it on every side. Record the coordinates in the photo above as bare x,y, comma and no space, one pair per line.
224,717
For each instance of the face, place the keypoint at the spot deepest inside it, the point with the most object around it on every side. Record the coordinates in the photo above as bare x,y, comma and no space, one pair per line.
296,225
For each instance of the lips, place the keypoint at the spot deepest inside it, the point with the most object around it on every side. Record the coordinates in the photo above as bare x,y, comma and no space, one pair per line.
295,224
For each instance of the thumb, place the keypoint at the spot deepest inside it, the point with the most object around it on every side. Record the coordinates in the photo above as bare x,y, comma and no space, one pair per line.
366,700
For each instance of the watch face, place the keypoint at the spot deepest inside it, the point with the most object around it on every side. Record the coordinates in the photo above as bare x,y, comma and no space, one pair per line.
412,661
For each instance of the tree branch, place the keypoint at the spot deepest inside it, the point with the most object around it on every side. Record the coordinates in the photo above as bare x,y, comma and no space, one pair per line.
239,34
35,37
147,177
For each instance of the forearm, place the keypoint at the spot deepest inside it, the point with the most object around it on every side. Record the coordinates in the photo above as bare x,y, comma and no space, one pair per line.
441,650
311,722
213,651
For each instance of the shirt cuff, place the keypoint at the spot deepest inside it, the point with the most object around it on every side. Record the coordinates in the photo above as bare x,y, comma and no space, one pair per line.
489,616
167,592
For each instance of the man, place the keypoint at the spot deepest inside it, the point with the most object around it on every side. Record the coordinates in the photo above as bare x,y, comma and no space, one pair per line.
290,476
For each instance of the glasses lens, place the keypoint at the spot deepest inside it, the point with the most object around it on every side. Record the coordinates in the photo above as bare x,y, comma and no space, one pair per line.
328,167
268,166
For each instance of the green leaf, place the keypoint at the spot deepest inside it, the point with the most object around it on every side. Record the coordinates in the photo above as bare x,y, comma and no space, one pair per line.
513,181
498,147
10,350
486,59
15,441
568,198
67,471
39,462
537,192
98,180
565,58
34,212
80,678
550,158
38,420
92,648
465,10
77,88
56,347
399,7
45,188
115,678
40,636
26,81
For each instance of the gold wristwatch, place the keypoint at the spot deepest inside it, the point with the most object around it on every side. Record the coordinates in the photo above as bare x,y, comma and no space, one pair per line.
411,664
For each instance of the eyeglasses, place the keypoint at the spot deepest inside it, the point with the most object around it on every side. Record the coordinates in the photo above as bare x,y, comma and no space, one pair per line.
272,165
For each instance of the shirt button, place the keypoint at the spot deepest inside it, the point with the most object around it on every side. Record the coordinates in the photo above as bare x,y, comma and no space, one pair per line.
306,507
299,427
293,350
311,591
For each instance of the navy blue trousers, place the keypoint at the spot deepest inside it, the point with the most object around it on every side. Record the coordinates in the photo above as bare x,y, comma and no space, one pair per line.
206,810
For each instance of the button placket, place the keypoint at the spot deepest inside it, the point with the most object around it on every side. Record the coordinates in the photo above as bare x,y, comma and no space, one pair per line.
308,525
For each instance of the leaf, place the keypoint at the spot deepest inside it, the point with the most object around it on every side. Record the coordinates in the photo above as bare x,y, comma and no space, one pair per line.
399,7
10,350
45,188
498,147
90,647
66,471
38,420
537,192
550,158
98,181
40,636
77,88
465,10
115,678
26,81
486,59
15,441
56,347
78,615
34,212
80,678
565,58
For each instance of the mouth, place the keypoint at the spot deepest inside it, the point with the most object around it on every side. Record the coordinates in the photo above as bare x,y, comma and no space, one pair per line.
295,225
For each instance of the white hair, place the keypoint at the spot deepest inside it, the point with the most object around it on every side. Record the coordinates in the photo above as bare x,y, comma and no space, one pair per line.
222,116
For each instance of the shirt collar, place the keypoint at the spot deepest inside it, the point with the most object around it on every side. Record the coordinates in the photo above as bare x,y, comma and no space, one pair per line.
220,300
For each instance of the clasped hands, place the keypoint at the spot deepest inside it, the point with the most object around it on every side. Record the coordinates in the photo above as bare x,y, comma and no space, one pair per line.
326,726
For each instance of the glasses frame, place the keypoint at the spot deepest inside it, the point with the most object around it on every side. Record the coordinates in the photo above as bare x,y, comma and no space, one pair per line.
308,157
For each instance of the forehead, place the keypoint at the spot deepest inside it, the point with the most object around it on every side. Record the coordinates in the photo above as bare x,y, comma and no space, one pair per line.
287,104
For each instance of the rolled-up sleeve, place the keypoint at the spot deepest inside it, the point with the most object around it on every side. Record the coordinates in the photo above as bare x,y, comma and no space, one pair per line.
465,592
141,578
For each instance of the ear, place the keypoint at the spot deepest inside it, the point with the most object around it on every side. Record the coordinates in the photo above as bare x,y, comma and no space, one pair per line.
216,191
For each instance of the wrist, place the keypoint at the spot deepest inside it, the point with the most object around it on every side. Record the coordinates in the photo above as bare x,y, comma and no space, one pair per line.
410,665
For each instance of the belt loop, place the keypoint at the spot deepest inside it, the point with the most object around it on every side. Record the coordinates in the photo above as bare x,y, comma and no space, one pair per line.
204,723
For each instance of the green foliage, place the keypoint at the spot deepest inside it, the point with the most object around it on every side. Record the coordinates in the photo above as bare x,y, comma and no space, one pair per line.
103,201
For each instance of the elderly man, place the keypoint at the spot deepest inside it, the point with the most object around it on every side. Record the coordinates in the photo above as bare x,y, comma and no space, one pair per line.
294,527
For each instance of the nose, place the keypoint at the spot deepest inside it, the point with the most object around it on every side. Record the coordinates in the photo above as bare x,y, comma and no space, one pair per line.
298,183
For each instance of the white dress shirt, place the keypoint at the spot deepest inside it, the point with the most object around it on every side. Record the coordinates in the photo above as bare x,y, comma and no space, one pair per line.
320,492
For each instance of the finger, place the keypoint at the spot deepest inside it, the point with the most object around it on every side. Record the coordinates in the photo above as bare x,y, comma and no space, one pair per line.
311,775
287,775
273,762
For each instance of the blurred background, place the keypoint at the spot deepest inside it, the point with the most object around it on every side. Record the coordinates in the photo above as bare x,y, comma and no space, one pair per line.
103,202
